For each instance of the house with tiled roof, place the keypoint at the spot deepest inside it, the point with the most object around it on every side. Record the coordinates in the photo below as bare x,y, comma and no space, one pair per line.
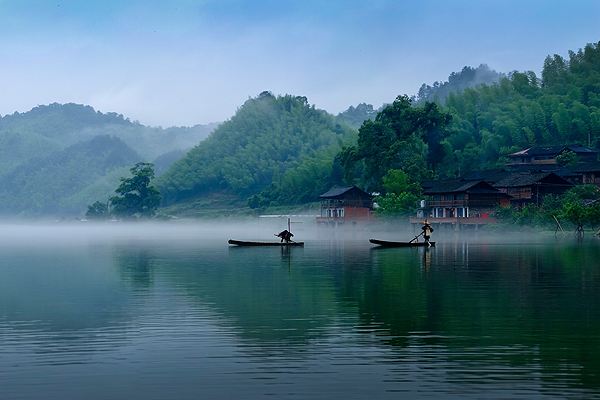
345,204
544,155
460,201
531,187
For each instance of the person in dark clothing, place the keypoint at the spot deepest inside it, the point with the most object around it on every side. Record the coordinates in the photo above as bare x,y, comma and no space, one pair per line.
427,230
285,235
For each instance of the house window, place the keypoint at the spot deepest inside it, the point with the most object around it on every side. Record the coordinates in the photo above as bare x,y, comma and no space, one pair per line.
460,212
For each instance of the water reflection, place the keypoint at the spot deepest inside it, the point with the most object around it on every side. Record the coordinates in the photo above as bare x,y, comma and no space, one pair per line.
457,319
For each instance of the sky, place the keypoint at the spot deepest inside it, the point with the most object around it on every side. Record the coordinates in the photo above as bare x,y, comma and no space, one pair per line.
185,62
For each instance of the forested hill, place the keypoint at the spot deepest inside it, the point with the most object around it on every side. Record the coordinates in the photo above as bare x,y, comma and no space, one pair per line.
457,82
281,143
57,158
45,129
523,109
475,129
66,181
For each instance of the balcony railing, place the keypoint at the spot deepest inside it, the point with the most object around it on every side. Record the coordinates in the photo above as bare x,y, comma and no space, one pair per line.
456,220
462,203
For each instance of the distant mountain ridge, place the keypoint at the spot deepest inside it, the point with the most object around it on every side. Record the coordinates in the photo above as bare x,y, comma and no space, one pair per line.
52,185
56,158
53,127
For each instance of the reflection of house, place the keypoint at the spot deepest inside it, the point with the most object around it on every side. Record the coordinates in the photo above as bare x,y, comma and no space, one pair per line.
461,201
525,188
345,204
543,155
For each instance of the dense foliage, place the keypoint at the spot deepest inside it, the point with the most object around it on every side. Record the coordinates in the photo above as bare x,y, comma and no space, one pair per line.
477,125
55,159
136,196
65,181
457,82
578,206
401,194
279,148
98,210
402,137
523,110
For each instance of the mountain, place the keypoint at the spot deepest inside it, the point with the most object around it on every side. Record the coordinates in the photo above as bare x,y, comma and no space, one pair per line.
67,180
56,158
260,147
457,82
44,129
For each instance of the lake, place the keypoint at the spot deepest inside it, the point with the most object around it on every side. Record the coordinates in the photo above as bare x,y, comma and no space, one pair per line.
172,312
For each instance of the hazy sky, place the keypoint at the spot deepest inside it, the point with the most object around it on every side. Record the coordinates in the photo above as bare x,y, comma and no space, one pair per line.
186,62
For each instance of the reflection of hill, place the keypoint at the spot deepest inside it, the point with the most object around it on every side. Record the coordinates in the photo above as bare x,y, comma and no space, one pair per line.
478,299
62,300
269,295
496,309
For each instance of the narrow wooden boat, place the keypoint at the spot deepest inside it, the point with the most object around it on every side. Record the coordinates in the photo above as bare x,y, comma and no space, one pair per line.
249,243
386,243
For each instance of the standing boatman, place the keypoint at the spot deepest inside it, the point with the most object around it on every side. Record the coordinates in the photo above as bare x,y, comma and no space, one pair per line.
427,230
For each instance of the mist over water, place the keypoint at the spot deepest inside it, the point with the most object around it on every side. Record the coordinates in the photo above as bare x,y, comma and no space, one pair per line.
171,311
261,229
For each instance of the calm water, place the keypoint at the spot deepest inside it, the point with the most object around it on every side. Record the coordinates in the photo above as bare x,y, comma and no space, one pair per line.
128,317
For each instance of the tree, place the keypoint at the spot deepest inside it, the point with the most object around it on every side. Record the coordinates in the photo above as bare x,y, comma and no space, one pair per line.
98,210
397,181
394,204
401,137
135,196
567,158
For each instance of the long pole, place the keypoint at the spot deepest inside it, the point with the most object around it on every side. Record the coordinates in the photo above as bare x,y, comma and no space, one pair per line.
415,238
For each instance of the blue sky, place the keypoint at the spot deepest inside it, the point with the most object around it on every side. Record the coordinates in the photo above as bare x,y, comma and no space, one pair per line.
186,62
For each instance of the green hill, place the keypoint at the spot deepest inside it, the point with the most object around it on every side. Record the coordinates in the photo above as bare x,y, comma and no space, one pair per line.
67,180
55,159
44,129
476,127
273,143
522,110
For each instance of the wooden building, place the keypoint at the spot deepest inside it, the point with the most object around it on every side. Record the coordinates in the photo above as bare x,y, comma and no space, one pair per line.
531,188
589,173
469,201
345,204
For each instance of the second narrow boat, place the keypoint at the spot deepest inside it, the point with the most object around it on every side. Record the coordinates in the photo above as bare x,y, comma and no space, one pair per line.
386,243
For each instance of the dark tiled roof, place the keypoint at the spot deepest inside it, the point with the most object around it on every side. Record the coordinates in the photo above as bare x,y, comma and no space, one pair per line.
338,191
457,186
553,150
558,169
526,179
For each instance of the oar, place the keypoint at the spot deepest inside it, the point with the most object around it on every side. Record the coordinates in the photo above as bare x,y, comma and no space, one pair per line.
416,237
